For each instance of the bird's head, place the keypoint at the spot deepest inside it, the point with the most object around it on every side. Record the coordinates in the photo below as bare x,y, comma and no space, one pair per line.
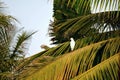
71,39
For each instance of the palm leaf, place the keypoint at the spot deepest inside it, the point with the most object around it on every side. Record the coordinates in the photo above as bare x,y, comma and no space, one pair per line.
33,66
6,27
80,25
6,76
106,70
7,33
4,40
64,48
72,9
107,5
84,26
20,41
4,50
77,62
52,52
96,38
7,21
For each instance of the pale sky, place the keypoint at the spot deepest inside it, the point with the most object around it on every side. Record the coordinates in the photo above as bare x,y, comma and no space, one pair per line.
33,15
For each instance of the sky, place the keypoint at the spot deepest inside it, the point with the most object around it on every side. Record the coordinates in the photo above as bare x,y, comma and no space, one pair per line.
33,15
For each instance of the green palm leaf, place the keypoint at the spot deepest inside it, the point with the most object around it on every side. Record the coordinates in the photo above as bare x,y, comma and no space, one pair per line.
20,43
66,9
52,52
85,22
106,70
77,62
64,48
82,26
6,35
96,38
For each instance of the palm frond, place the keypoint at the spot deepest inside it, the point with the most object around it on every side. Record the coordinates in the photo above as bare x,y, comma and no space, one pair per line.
7,21
83,26
6,76
85,23
20,41
78,7
7,28
106,70
4,40
4,50
64,48
33,66
52,52
70,65
67,25
82,42
7,32
107,5
66,9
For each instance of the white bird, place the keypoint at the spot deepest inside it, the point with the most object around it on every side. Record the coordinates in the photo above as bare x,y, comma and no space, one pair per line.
72,43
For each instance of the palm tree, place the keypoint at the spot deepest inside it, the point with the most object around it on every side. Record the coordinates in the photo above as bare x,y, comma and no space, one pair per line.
12,45
95,26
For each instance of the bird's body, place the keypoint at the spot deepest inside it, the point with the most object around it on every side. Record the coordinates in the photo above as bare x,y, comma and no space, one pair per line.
72,44
44,47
